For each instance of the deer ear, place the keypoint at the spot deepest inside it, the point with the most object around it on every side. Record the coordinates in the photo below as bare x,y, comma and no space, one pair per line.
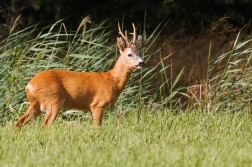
139,40
121,44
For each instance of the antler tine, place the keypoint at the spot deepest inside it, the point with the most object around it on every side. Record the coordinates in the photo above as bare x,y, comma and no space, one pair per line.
124,37
134,33
126,34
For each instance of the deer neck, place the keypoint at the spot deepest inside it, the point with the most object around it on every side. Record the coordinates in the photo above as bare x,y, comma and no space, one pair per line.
120,75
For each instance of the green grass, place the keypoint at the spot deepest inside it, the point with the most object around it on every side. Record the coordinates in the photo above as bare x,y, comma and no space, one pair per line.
156,139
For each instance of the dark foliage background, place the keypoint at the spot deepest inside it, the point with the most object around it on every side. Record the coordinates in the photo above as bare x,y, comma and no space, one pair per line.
186,16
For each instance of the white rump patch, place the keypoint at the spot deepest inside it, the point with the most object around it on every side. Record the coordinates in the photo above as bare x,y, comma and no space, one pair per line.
29,87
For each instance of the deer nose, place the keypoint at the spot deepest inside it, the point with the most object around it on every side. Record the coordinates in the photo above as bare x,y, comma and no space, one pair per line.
141,64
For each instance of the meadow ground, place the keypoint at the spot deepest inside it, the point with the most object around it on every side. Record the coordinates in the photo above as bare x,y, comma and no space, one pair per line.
162,138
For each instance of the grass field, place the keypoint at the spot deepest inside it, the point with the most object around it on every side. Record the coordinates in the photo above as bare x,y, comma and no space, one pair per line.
153,139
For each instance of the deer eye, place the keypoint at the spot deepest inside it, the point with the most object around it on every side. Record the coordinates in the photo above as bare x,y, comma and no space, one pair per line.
129,55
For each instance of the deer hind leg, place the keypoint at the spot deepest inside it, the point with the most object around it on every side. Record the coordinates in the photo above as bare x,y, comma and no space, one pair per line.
32,112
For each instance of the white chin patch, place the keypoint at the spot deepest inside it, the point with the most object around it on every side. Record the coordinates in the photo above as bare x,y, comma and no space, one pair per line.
138,67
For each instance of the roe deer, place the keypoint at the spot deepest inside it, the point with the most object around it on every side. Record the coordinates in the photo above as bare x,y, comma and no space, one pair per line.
52,90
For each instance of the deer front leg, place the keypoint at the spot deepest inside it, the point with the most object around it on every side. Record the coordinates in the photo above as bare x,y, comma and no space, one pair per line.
97,114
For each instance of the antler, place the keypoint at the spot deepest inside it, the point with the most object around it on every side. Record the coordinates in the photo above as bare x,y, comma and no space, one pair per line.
125,37
134,34
134,40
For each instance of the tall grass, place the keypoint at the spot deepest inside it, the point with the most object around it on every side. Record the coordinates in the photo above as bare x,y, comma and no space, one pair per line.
228,83
231,81
93,48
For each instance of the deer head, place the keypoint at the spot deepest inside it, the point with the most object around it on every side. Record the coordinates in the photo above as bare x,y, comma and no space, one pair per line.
130,50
